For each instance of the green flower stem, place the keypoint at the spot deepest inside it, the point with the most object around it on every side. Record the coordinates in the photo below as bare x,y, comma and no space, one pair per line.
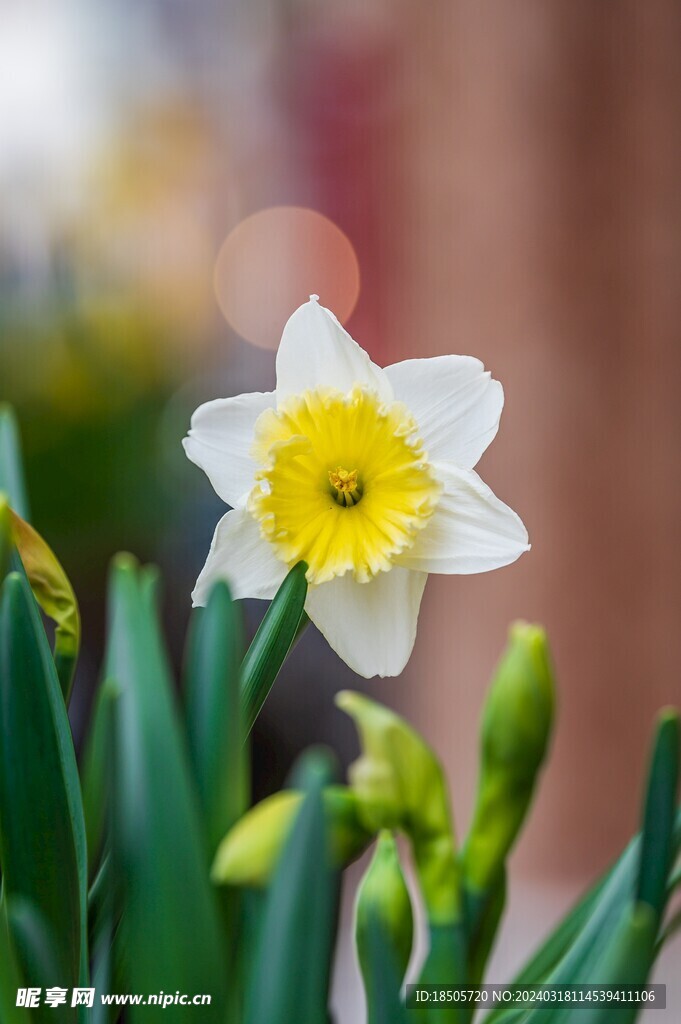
11,468
446,964
516,728
482,921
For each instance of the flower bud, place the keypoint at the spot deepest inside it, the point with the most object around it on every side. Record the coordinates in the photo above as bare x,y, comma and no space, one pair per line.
249,852
516,727
400,784
384,924
53,592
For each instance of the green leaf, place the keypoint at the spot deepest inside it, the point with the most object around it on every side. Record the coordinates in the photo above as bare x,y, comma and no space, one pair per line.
272,643
171,937
11,466
39,956
95,770
568,956
99,898
384,930
214,653
43,852
675,879
218,754
670,930
291,971
50,584
626,960
624,957
10,979
104,920
104,900
658,815
554,947
617,891
585,929
5,536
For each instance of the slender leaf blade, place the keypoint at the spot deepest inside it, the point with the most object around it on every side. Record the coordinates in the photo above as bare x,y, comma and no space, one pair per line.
43,853
658,815
171,938
95,770
214,730
272,643
39,956
291,971
5,536
10,980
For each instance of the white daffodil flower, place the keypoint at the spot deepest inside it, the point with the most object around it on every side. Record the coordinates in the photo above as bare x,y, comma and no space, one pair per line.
364,473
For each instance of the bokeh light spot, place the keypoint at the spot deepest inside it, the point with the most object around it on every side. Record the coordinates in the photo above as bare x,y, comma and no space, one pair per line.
272,261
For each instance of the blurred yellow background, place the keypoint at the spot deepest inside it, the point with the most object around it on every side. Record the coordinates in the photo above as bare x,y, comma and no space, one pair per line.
466,176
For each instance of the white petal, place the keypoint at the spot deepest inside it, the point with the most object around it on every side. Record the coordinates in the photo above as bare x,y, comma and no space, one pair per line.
220,441
471,529
240,556
316,351
371,626
455,402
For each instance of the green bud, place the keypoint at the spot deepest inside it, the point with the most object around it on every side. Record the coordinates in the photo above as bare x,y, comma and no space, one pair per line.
400,784
250,851
516,727
53,592
384,923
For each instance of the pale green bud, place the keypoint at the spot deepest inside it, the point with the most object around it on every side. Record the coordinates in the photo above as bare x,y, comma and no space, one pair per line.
516,727
384,924
400,784
249,852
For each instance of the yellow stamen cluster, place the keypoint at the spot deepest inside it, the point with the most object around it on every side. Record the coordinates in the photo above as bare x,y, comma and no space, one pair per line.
344,483
310,506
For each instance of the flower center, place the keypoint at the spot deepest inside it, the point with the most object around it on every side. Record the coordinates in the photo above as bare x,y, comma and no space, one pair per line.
345,485
310,506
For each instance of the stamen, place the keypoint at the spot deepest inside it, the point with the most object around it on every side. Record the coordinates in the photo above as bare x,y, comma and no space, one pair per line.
344,482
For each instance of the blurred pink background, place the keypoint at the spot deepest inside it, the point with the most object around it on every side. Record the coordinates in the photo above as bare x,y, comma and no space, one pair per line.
494,179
